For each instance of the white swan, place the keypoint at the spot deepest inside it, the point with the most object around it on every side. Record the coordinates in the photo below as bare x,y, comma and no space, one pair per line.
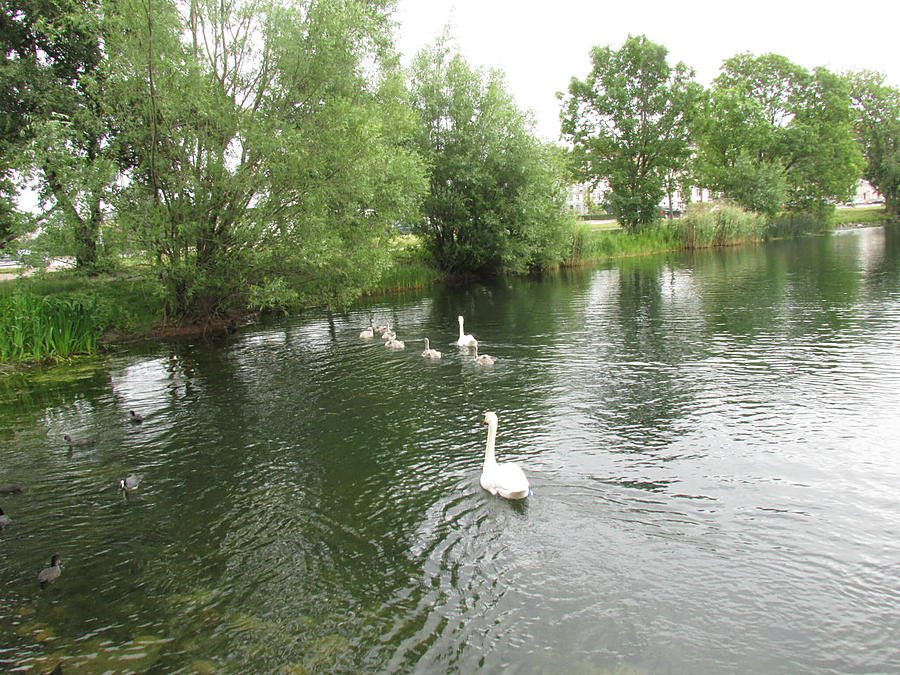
430,353
465,340
484,359
507,480
369,332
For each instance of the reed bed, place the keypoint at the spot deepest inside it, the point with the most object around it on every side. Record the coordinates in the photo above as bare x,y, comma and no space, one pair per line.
35,327
589,244
706,225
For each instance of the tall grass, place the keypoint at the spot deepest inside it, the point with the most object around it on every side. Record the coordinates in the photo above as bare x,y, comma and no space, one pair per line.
705,225
409,269
795,225
588,244
35,327
405,275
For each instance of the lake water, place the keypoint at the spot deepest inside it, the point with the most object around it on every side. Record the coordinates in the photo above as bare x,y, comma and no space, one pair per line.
711,440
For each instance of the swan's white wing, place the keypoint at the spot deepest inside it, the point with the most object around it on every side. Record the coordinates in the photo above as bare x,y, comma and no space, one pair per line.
511,476
508,480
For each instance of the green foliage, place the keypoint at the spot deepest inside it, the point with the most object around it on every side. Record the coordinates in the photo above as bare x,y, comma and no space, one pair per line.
35,327
795,224
125,303
703,226
51,125
276,151
273,295
871,214
629,125
772,134
496,198
877,125
589,244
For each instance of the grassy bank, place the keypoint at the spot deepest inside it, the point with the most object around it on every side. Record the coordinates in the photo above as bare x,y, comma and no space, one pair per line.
864,215
409,269
703,226
61,314
57,315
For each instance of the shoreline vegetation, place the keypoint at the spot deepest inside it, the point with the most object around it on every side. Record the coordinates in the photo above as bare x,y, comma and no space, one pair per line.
51,317
298,163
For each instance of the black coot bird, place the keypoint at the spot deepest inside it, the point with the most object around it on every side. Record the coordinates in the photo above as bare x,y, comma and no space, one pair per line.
50,574
130,483
78,442
135,418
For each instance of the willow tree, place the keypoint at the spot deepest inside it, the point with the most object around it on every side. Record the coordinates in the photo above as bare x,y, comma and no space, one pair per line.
629,125
264,143
496,194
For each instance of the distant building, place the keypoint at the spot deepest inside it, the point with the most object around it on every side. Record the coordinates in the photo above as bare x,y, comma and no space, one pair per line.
582,198
866,194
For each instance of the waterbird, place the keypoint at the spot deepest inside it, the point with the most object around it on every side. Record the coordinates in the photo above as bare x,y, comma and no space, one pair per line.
50,574
465,340
394,343
430,353
369,332
484,359
10,489
130,483
135,418
506,479
4,520
78,442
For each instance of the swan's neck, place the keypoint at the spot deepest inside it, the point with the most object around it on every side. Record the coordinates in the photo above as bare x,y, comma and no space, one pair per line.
489,456
460,329
427,347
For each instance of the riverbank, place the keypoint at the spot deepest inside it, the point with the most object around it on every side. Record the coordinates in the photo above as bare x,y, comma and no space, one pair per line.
127,306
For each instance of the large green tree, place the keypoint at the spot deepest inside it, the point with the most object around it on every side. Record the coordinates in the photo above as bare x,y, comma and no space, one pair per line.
877,108
265,144
496,197
629,125
773,134
50,50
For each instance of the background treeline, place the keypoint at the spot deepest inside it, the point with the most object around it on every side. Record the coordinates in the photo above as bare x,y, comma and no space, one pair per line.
251,154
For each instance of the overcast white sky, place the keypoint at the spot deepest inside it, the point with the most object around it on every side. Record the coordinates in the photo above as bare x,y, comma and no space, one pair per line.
542,45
